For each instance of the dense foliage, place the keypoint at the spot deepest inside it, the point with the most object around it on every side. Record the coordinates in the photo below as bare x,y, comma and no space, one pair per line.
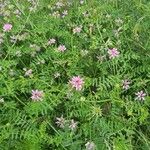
75,75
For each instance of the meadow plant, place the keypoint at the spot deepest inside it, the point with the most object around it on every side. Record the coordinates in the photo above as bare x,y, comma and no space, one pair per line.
74,75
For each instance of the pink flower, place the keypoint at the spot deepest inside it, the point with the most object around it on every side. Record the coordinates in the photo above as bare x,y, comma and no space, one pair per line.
76,82
126,84
37,95
113,53
51,41
61,48
7,27
73,125
77,30
140,96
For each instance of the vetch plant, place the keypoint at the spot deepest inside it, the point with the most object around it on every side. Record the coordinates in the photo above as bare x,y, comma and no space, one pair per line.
74,75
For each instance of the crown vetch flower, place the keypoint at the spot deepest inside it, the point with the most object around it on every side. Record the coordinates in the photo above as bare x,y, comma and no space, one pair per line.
73,125
140,95
37,95
113,53
61,121
61,48
126,84
7,27
64,13
77,83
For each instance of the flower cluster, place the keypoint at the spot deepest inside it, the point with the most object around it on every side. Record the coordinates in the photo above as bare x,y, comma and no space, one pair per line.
62,123
126,84
77,82
77,29
140,96
37,95
73,73
7,27
61,48
113,53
